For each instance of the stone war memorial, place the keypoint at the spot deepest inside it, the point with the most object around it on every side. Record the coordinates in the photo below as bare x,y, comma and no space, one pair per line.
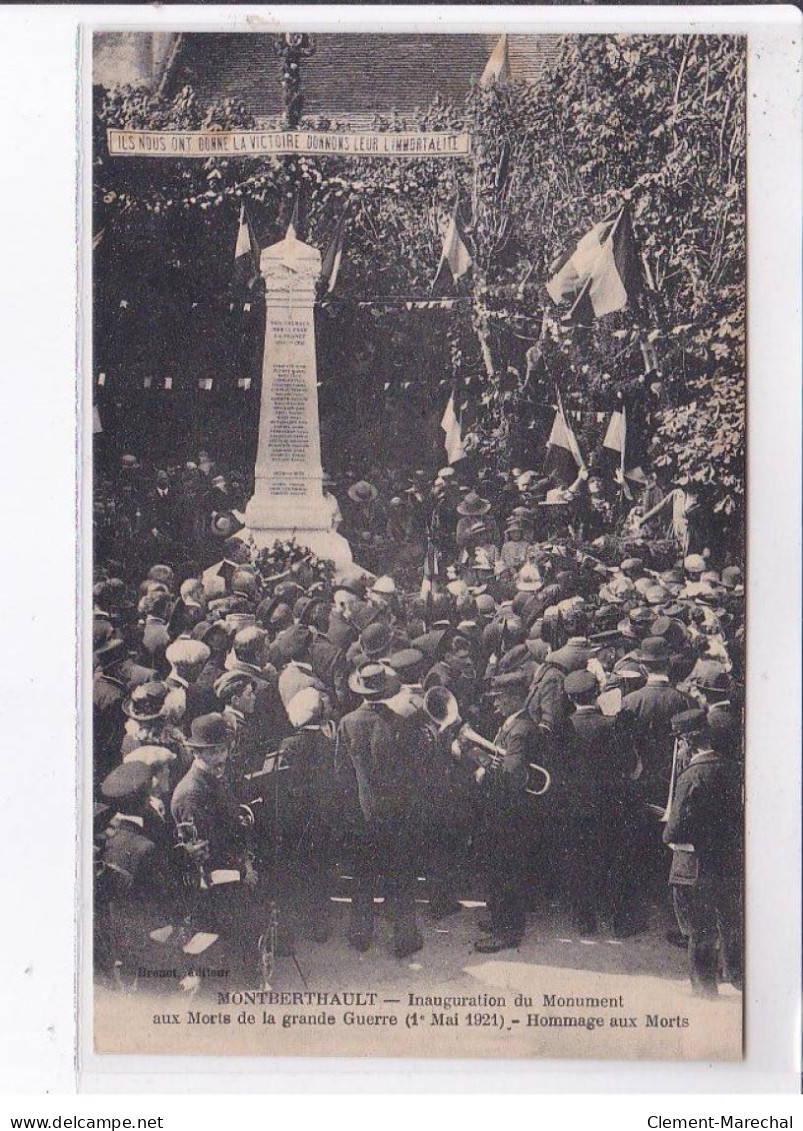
418,597
288,500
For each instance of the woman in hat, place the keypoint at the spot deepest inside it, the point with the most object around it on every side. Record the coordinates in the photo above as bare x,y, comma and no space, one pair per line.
364,522
474,510
147,724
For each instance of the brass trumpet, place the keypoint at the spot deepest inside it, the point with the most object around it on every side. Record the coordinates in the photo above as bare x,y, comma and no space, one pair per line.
441,706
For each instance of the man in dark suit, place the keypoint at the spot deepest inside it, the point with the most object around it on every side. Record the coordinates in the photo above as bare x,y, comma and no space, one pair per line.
704,830
163,508
646,718
600,845
108,695
379,768
269,722
134,893
510,819
577,651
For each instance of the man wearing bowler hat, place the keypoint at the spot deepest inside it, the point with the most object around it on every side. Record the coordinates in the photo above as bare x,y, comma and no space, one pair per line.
206,813
646,717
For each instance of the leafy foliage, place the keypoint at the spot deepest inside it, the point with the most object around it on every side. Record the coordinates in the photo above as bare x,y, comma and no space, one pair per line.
655,121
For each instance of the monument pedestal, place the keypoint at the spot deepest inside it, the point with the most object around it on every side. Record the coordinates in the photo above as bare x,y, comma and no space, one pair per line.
288,499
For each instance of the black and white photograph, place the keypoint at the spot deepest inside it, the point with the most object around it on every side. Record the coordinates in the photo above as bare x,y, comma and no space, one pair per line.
418,486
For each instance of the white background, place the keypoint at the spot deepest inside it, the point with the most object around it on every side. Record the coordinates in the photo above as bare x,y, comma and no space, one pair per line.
39,177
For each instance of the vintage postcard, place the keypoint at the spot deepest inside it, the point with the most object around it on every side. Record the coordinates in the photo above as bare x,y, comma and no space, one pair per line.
418,484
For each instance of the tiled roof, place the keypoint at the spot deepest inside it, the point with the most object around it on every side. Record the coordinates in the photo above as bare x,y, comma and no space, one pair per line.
353,76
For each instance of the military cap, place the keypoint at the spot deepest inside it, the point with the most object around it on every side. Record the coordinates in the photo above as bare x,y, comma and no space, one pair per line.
689,722
126,783
153,756
485,604
187,653
511,681
640,615
655,595
579,683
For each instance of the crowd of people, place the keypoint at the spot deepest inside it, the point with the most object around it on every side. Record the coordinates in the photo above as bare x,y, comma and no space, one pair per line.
534,687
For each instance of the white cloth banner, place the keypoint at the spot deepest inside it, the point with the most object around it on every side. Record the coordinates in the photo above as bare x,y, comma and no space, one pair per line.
262,143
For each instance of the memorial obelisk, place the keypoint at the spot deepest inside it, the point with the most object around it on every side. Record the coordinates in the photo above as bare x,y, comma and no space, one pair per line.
288,498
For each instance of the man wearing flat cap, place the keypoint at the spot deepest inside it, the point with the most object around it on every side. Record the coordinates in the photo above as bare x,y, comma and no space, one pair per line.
134,889
704,829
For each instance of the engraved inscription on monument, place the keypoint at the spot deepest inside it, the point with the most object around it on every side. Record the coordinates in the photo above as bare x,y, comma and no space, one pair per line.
288,500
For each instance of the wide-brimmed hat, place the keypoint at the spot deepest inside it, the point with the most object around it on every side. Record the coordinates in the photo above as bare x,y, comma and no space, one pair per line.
528,579
362,492
473,504
375,681
384,586
654,649
376,639
146,701
207,731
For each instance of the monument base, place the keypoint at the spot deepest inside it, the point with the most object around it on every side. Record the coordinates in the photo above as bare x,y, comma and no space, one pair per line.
262,523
